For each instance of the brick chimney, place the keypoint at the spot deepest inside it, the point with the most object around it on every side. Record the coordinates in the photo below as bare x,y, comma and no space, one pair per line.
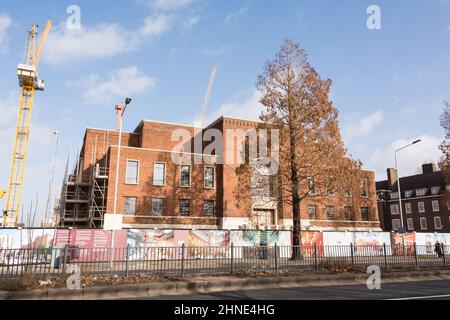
392,177
428,168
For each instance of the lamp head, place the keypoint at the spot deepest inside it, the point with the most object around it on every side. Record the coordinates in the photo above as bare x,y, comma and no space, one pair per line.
127,101
417,141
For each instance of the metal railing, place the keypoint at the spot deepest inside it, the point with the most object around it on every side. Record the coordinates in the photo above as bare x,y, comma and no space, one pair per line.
181,261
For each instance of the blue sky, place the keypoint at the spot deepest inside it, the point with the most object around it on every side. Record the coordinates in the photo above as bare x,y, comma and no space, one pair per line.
389,84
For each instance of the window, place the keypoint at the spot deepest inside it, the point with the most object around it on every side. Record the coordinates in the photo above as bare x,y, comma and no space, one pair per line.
348,213
421,192
129,206
421,206
408,208
209,177
330,212
365,214
312,212
311,186
132,173
159,174
185,176
209,208
157,207
410,223
435,190
330,189
364,189
395,209
184,207
435,204
423,223
437,223
394,195
347,192
409,193
396,224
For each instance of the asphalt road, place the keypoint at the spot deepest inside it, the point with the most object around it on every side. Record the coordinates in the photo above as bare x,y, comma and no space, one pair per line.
423,290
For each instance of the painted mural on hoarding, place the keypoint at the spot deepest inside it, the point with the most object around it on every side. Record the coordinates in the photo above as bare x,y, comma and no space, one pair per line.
90,244
397,241
311,239
426,242
12,240
371,243
251,244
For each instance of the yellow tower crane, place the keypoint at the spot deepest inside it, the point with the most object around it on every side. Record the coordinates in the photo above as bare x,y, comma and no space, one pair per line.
29,82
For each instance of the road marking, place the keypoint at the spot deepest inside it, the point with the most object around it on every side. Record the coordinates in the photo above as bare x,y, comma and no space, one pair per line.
421,298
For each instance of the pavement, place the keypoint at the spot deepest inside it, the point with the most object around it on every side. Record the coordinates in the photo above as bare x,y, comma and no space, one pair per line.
420,290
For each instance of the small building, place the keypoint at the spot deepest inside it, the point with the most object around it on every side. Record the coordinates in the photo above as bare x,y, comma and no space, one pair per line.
423,198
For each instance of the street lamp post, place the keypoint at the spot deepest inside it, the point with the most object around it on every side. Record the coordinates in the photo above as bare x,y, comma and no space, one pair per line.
120,111
400,194
398,181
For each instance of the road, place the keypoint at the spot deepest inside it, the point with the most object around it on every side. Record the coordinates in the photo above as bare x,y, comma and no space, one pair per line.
423,290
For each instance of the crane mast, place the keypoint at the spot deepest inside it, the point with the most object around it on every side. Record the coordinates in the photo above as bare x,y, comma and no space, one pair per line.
29,83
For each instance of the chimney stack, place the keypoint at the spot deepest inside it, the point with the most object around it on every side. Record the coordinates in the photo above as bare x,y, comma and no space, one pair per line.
392,177
428,168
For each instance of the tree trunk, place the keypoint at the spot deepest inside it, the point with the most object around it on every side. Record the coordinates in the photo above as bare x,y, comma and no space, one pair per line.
297,238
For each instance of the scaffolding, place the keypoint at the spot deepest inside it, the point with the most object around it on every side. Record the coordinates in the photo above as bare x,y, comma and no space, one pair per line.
84,193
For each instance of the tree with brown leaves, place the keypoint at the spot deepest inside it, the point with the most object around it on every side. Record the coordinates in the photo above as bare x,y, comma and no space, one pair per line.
312,156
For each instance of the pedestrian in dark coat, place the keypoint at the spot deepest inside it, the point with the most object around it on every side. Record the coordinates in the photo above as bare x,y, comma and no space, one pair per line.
438,249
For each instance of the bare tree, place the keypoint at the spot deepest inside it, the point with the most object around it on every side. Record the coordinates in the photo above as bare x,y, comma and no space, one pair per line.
313,159
445,145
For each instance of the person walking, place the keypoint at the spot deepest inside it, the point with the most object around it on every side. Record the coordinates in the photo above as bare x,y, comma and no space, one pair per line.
438,249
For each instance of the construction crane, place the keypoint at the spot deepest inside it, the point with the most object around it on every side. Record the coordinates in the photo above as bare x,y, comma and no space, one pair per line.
29,82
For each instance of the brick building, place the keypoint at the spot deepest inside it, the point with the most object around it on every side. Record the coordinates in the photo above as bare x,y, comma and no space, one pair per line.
154,192
424,206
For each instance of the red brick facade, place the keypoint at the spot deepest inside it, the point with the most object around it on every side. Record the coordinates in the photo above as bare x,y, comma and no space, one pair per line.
151,143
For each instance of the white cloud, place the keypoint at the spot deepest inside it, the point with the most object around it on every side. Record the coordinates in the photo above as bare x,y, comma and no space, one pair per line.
166,5
363,126
120,83
409,159
5,23
100,41
249,108
191,21
214,51
155,25
235,15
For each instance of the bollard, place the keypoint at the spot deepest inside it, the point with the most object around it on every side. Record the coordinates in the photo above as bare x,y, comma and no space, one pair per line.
316,264
276,257
415,255
182,260
127,260
385,256
232,259
352,253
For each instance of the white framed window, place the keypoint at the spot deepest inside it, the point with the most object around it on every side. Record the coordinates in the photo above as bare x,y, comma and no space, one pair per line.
209,177
421,207
395,209
409,193
129,206
408,208
312,212
209,208
365,216
421,192
348,213
157,207
311,185
132,172
184,207
394,195
437,223
435,205
364,189
435,190
423,223
185,176
410,223
330,212
396,224
159,174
